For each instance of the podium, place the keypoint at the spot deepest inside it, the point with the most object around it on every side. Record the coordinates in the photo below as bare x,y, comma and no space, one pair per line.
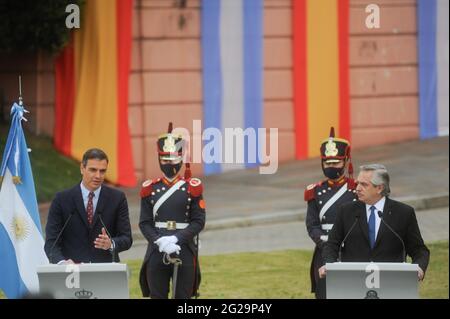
84,281
351,280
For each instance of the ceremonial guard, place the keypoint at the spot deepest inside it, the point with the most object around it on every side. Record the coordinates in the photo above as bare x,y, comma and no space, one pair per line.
172,216
325,197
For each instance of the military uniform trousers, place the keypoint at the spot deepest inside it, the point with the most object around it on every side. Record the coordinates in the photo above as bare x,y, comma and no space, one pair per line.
159,275
318,285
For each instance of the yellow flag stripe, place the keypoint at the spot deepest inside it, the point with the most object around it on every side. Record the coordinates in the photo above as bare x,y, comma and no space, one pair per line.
95,115
323,71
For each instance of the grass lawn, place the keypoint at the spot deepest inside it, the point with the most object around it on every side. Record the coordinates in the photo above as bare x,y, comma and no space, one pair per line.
282,274
52,171
435,284
279,274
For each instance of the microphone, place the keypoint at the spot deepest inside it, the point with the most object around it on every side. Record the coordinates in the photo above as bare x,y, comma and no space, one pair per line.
348,234
59,235
380,214
113,249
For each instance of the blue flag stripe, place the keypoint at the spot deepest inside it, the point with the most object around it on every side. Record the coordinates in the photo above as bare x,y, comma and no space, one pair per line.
212,78
427,68
253,68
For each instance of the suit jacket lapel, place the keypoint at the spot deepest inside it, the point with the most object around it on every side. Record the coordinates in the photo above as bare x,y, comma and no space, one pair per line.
386,216
363,221
102,199
79,204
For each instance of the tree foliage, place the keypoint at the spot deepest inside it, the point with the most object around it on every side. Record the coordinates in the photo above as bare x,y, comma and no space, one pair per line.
33,25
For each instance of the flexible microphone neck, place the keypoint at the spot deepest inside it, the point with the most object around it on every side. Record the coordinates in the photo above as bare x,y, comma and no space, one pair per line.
113,249
380,214
346,236
59,236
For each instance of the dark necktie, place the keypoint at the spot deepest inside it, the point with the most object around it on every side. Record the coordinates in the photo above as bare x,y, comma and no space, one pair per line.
372,227
90,208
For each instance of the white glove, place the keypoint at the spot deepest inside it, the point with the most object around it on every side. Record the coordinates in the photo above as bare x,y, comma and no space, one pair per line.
162,242
172,248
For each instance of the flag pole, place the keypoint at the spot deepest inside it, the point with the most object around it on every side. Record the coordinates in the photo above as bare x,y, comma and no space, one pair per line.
21,99
20,91
16,179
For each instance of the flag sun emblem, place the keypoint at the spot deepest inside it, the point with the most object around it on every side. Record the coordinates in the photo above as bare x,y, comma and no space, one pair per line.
20,228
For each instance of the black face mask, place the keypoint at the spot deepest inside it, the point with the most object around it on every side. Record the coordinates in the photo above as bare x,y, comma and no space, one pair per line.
170,170
333,172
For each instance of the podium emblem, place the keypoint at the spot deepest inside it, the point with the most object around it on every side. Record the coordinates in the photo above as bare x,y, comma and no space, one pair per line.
84,294
371,294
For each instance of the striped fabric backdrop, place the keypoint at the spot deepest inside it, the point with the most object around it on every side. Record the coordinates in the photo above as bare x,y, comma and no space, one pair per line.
92,88
433,42
92,78
321,84
231,35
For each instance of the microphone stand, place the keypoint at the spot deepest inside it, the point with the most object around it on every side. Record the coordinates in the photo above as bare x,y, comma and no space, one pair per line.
113,249
59,235
346,236
380,214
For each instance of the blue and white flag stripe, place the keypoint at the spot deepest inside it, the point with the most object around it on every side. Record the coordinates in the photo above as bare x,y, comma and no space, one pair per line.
21,240
433,33
442,44
232,35
19,165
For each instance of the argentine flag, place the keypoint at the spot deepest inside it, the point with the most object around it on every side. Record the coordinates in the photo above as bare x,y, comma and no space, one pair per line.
21,240
232,60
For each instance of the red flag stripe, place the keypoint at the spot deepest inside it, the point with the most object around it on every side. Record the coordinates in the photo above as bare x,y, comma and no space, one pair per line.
300,78
64,99
125,172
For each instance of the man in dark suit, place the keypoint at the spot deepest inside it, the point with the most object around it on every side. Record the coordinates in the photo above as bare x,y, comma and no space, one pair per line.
88,222
362,224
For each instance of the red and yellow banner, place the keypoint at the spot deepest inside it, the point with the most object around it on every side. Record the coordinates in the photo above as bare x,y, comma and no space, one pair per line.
92,88
321,89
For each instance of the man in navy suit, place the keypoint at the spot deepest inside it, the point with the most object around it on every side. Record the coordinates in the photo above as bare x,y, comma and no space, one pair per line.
88,222
375,228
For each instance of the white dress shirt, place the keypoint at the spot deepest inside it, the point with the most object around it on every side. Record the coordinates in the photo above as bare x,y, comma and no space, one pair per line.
85,193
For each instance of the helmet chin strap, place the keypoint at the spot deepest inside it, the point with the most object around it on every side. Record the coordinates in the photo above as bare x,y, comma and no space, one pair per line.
173,178
339,178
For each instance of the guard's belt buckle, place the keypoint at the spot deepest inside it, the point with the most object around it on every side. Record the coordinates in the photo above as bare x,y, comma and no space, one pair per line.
171,225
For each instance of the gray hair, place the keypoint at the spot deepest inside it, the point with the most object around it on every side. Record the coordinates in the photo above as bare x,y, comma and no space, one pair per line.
380,176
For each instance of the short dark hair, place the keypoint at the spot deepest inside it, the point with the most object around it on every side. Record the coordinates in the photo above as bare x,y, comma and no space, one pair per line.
94,153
